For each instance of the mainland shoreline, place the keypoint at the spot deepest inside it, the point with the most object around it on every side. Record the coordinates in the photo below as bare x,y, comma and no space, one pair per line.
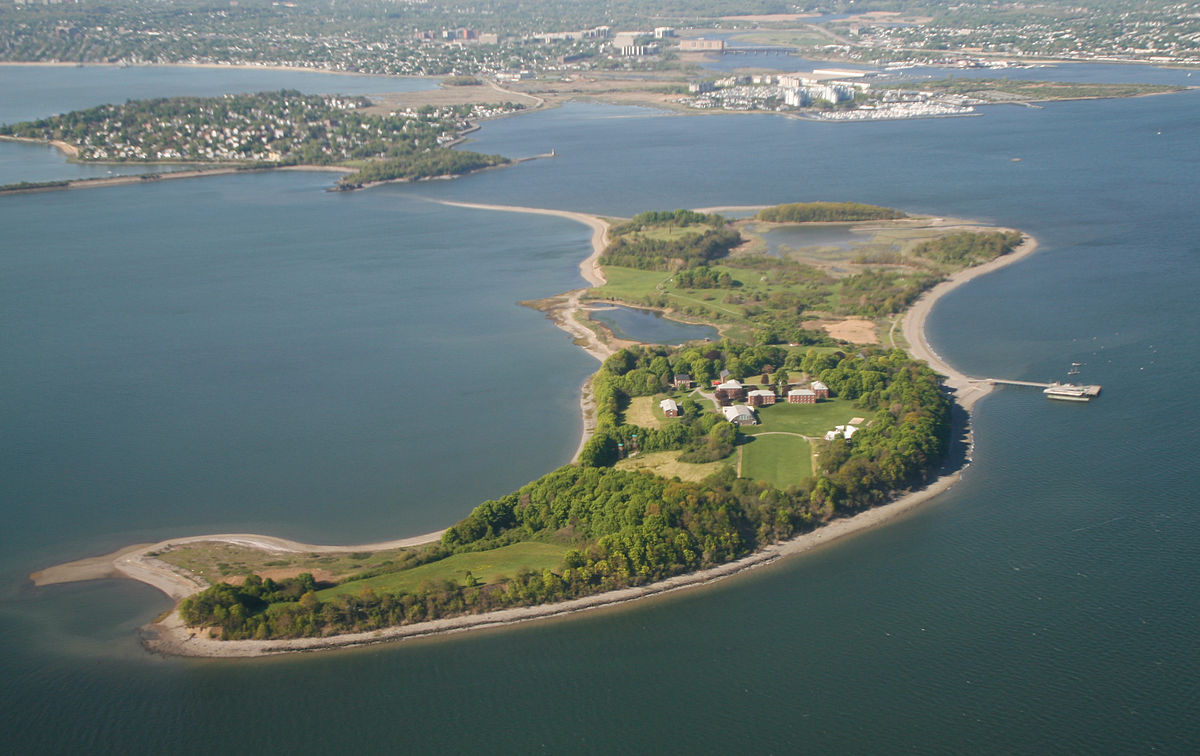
170,636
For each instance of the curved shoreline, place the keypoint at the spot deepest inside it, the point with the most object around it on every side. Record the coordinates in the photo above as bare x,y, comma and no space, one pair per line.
170,636
70,150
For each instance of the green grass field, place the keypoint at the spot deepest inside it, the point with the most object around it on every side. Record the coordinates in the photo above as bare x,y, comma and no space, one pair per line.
486,566
807,419
629,284
781,461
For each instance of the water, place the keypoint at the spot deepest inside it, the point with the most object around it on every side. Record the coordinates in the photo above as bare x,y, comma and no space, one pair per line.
813,238
1047,604
650,327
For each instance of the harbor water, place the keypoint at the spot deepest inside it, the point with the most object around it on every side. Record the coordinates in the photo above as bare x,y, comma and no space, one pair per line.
251,353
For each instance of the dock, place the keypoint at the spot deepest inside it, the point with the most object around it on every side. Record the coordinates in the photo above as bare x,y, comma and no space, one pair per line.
1089,390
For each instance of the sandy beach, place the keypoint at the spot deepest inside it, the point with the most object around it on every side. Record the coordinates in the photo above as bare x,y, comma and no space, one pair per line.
968,390
170,636
70,150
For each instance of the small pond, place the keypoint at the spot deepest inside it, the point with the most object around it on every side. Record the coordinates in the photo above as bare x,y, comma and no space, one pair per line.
649,327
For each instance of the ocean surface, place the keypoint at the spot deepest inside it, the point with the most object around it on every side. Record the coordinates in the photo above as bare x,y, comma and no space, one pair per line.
253,353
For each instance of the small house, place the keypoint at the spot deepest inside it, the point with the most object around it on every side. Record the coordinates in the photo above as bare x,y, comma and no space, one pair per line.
669,407
725,375
761,398
821,390
739,414
802,396
682,380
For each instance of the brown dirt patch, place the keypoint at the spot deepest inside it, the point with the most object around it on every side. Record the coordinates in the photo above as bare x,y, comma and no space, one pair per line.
854,330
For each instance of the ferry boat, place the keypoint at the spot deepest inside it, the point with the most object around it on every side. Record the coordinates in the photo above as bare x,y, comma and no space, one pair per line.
1070,392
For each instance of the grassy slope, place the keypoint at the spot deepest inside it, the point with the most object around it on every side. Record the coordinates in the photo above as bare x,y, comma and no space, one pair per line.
486,566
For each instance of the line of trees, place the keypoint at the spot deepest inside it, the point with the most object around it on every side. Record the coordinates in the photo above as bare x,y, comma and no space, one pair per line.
827,212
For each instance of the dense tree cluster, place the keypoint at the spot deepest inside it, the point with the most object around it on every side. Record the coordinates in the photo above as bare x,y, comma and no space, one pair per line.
966,248
827,212
439,162
704,277
670,218
647,252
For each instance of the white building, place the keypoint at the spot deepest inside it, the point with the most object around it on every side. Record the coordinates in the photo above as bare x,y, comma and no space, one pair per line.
841,431
739,414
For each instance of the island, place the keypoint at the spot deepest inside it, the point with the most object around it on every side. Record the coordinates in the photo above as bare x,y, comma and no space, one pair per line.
814,415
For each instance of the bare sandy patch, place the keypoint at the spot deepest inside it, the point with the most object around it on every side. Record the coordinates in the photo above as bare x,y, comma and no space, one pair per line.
854,330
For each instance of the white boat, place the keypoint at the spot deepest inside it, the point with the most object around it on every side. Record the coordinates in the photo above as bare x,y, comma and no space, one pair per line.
1070,392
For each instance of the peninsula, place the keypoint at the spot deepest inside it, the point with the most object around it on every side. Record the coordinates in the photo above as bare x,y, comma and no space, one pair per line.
689,471
369,143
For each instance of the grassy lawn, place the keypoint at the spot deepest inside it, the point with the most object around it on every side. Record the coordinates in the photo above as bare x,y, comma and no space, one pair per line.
781,461
486,566
645,412
807,419
629,284
667,465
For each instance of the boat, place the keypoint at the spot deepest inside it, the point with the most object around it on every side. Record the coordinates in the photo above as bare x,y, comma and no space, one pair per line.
1070,392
